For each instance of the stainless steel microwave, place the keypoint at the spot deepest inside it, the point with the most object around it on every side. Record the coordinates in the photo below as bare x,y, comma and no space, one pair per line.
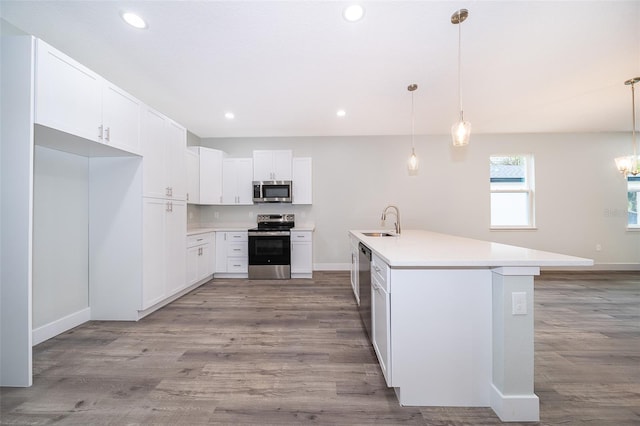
272,191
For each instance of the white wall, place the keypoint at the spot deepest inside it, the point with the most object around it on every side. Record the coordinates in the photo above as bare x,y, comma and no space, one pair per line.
580,196
61,235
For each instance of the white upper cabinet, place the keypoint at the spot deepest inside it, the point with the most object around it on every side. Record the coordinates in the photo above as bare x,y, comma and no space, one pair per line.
120,119
163,148
272,165
68,95
193,176
302,181
209,175
73,99
237,187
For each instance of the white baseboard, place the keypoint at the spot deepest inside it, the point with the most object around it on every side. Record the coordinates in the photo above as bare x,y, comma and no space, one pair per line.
612,267
47,331
332,266
515,408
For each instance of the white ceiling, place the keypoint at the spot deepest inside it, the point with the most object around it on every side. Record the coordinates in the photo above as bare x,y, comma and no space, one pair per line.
285,68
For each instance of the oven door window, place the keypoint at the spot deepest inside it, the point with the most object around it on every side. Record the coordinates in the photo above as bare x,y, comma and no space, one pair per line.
272,250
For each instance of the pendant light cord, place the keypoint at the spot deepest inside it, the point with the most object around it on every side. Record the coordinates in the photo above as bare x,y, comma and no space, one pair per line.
413,122
633,130
460,70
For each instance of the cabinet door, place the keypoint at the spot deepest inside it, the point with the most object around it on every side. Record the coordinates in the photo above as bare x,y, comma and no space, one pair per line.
244,170
154,153
193,177
210,176
153,251
229,182
272,164
68,95
205,262
193,259
237,186
175,242
176,169
282,167
381,326
302,185
120,119
301,258
262,165
220,253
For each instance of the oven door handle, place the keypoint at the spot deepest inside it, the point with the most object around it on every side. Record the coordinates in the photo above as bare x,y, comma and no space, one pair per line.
269,233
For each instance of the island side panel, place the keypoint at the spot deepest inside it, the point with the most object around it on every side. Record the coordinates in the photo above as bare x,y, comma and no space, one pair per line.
512,390
441,336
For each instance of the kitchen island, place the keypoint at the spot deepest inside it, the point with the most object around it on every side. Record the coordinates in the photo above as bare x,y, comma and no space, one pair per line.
452,319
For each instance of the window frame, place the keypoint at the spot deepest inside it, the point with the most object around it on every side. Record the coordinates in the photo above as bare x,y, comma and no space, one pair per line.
527,187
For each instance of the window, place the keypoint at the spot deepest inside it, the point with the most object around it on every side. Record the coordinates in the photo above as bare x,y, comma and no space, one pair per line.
633,189
511,181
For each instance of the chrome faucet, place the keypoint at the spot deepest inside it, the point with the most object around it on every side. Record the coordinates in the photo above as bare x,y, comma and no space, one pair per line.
397,213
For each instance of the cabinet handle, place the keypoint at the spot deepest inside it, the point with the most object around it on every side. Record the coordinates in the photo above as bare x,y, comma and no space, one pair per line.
100,131
187,196
167,209
300,236
107,134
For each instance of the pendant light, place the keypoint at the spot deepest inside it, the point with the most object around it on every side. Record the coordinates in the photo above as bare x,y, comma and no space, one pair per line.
461,130
413,160
629,164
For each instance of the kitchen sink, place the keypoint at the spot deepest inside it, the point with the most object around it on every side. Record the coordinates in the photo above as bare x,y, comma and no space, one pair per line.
378,234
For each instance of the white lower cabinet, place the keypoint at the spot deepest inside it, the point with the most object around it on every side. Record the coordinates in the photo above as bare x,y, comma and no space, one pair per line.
381,315
231,254
301,254
163,241
200,257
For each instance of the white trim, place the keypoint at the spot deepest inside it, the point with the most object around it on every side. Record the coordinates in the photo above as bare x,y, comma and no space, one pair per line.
332,266
176,296
517,270
47,331
612,267
515,408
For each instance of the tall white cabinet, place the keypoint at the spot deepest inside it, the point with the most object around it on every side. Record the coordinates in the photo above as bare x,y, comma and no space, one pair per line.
136,201
164,208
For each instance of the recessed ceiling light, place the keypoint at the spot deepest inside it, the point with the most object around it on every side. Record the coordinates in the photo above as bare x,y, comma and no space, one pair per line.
341,113
134,20
353,13
229,116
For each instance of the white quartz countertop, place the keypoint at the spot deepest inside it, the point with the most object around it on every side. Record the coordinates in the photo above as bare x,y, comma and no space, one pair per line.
238,227
418,248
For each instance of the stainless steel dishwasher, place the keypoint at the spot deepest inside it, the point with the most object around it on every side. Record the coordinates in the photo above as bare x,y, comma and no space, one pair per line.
364,283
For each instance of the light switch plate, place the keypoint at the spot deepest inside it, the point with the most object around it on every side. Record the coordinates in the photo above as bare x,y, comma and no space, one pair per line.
519,303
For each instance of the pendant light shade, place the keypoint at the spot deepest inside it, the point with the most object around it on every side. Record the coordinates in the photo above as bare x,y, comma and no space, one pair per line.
413,159
461,130
631,164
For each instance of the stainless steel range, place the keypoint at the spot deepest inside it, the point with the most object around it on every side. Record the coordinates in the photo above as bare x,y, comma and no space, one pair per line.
270,247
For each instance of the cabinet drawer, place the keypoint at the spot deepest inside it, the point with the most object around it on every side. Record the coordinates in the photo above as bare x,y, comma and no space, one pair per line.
237,265
199,239
381,270
300,236
237,249
236,237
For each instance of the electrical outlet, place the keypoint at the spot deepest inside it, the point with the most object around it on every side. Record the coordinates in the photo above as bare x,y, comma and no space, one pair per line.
598,247
216,215
519,303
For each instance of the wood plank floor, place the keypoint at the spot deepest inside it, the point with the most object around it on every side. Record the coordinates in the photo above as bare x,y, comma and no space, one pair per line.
294,352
